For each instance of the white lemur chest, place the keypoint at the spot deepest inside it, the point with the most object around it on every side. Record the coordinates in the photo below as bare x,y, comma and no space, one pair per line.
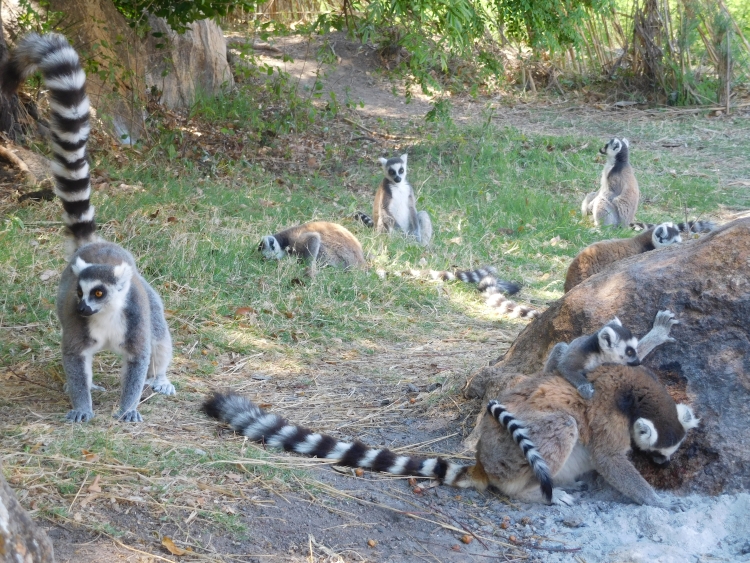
578,462
398,207
604,184
107,331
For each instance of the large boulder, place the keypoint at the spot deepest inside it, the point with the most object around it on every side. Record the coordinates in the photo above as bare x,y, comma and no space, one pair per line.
21,539
706,283
180,65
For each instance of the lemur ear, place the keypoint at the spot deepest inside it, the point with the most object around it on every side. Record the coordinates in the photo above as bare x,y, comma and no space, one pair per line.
626,142
403,157
644,433
607,337
79,266
382,161
687,417
616,321
123,272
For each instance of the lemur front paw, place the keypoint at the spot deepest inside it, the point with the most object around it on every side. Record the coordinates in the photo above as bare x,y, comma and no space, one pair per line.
663,323
586,390
79,416
128,416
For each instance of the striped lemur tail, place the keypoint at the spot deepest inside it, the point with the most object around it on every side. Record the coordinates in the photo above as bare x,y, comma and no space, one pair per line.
518,432
468,276
695,226
365,218
61,68
494,292
246,418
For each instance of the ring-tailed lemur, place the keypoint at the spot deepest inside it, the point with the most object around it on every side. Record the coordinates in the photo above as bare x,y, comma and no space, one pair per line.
617,199
394,207
561,437
317,243
611,344
600,255
573,435
694,226
102,301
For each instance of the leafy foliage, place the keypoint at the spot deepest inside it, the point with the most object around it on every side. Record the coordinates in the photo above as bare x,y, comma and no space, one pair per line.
181,13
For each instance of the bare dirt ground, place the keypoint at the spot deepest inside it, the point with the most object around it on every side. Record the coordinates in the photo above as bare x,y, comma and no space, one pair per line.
405,396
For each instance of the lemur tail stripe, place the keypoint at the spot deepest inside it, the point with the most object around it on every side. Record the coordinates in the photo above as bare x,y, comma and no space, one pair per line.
69,121
493,291
246,418
365,218
518,432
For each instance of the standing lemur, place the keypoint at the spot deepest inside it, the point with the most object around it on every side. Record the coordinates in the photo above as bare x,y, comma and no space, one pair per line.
394,208
616,201
103,302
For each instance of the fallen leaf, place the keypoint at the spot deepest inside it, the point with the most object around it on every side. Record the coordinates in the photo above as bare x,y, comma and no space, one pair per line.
47,274
242,311
455,240
90,456
172,219
167,542
77,517
94,486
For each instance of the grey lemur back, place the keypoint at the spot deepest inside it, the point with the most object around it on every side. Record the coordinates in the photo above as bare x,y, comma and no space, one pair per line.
102,301
394,208
616,201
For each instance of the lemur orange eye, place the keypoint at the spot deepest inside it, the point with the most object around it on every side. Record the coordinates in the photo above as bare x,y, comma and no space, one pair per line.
80,293
98,293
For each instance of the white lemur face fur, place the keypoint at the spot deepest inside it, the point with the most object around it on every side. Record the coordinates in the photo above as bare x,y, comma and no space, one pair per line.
394,168
646,437
618,345
666,234
101,286
271,249
614,147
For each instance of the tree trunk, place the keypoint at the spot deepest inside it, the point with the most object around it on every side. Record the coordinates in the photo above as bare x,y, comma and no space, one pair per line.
10,106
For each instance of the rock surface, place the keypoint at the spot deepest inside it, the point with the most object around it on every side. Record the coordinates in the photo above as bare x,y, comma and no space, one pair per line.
706,283
181,65
21,539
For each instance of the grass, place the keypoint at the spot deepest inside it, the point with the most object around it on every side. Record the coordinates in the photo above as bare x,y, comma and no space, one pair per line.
501,194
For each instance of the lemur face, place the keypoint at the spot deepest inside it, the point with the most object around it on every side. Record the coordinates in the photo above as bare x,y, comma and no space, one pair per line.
100,285
614,147
394,168
662,446
618,345
271,249
666,234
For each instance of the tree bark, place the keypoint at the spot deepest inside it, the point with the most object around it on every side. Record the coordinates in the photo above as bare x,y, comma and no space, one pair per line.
10,106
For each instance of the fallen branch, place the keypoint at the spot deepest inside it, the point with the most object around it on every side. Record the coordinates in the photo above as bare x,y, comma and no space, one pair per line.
13,159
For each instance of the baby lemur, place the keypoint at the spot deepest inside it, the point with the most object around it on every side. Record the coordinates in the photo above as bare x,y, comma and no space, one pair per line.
611,344
103,302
